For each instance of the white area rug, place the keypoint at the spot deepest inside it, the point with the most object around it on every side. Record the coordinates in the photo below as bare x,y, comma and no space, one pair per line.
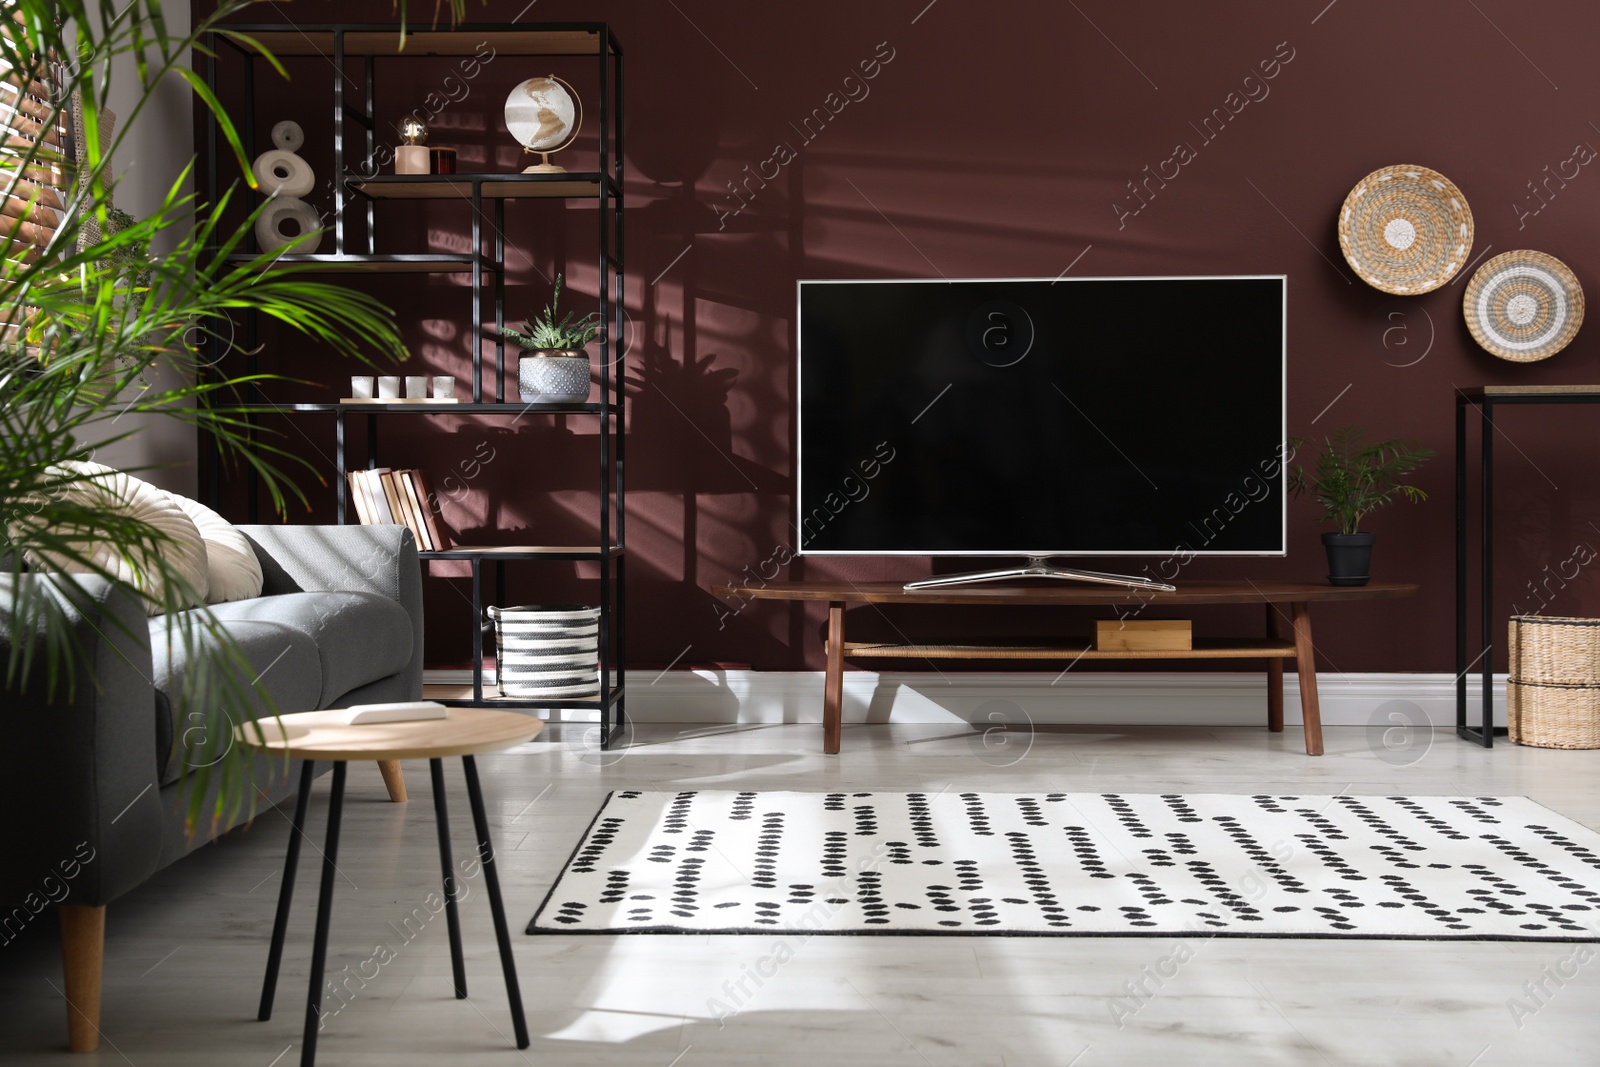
1078,864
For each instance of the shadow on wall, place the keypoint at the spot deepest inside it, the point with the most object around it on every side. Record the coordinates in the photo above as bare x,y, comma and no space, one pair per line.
696,343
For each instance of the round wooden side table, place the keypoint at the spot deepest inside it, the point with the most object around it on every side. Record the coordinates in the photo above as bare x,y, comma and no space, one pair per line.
319,735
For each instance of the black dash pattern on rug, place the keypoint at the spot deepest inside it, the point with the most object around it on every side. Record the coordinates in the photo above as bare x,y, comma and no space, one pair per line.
1079,864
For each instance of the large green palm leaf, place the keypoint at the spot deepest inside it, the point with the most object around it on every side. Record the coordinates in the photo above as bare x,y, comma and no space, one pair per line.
84,336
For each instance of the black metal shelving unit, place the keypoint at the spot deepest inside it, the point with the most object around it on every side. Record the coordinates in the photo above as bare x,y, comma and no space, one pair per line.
353,51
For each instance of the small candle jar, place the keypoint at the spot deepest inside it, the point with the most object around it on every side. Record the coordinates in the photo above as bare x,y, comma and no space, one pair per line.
361,387
444,387
388,387
416,387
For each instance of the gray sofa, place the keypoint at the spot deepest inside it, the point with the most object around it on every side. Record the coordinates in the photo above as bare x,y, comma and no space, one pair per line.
92,779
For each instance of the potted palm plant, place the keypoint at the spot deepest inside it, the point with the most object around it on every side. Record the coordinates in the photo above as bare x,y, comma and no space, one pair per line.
95,326
554,368
1352,477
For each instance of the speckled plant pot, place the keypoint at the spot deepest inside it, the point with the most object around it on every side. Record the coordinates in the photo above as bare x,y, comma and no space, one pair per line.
553,376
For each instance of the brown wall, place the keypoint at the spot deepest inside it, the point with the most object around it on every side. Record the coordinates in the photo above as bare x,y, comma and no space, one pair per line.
998,141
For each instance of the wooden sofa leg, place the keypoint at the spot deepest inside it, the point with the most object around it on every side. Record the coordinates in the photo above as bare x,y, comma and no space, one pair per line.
394,779
83,942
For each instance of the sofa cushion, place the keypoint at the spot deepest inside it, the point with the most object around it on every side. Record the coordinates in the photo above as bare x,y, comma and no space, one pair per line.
359,637
106,489
283,658
232,569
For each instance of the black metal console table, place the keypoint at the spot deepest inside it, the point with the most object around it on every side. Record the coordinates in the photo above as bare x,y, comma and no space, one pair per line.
1486,399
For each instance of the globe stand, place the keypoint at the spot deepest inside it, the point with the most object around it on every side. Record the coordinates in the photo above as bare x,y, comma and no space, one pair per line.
544,166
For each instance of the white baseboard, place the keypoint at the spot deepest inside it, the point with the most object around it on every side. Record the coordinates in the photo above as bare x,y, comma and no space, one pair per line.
1145,698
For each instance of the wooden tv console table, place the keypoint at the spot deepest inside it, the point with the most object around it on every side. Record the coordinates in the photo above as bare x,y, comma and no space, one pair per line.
1274,647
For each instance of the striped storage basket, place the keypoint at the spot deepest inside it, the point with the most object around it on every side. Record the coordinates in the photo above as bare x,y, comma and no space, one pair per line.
1553,690
547,651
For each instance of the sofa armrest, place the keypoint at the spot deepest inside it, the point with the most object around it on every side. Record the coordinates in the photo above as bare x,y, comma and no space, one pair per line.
359,559
78,772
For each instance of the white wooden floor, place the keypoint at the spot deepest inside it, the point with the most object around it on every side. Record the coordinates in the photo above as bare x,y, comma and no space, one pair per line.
184,953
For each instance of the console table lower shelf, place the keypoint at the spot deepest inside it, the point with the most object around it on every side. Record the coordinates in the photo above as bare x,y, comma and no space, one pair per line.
1288,630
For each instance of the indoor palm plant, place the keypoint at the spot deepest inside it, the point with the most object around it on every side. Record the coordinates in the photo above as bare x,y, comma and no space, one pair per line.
554,367
1352,477
88,314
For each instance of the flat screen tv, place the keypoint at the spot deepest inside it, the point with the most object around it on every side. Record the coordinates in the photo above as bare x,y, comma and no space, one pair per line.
1038,417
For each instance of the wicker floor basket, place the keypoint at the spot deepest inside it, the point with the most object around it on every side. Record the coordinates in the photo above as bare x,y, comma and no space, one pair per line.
547,651
1553,692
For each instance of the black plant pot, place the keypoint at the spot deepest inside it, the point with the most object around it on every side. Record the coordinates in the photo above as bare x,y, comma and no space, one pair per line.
1349,557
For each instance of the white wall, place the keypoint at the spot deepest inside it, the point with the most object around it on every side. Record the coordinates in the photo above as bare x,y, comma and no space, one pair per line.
157,148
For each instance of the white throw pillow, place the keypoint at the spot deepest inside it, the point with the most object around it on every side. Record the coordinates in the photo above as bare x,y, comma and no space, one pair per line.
112,490
231,564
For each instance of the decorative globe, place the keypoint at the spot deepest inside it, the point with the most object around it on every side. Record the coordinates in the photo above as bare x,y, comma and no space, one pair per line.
541,114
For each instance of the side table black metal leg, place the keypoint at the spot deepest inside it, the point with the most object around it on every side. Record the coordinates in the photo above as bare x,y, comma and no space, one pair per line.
477,624
319,946
452,914
280,924
491,881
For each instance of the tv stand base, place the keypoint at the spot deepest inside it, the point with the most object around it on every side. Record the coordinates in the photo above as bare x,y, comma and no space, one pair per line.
1040,567
1287,608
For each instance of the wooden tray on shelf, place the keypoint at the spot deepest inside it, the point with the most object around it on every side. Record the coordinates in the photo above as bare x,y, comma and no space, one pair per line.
399,400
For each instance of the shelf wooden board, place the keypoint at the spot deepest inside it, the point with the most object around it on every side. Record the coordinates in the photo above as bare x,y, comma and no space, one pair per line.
562,552
1223,648
460,696
465,40
424,263
494,186
1511,392
461,407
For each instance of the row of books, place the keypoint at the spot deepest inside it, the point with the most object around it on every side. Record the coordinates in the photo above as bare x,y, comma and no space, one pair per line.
387,497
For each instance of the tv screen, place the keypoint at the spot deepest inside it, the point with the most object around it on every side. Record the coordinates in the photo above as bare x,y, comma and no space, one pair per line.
1075,417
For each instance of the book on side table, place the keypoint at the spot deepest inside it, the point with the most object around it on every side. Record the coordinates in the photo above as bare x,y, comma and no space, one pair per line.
399,711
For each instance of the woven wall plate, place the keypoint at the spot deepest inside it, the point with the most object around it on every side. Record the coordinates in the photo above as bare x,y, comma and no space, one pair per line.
1405,229
1523,306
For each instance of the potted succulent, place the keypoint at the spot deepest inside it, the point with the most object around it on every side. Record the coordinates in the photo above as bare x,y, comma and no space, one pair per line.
554,369
1350,478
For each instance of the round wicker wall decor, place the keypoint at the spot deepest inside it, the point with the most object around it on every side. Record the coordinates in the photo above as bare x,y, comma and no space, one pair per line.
1523,306
1405,229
